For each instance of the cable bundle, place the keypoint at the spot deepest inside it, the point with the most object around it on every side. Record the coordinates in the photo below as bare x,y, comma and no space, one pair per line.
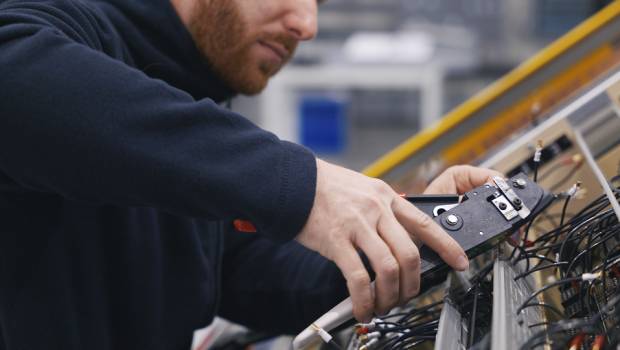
399,330
584,252
408,329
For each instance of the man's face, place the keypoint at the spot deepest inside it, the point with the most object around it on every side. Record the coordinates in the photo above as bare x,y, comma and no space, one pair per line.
248,41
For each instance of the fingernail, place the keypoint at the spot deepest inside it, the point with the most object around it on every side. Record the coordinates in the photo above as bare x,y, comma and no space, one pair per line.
462,263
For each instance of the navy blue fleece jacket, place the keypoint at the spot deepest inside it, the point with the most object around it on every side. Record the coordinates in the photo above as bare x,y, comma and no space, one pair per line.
119,175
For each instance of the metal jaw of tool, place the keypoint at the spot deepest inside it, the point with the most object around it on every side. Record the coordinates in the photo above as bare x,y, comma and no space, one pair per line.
484,216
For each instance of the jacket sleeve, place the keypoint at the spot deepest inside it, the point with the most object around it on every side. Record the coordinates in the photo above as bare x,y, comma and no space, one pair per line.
78,123
276,288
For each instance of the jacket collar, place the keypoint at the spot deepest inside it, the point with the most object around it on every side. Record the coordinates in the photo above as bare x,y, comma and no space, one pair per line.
163,48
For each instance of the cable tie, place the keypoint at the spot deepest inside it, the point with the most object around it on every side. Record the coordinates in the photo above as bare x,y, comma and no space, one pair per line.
574,189
322,333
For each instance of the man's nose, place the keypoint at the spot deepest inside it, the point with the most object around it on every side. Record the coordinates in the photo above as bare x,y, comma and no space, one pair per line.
301,20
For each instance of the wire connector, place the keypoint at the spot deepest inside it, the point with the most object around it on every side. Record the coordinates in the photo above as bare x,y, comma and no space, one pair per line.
599,342
538,151
369,326
574,189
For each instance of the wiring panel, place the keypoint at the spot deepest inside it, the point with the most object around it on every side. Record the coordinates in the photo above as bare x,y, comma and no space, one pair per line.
555,282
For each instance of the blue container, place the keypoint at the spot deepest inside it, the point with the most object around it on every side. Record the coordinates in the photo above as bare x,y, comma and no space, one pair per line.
323,124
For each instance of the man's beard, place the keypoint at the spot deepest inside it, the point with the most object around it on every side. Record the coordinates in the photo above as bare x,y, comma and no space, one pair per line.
224,40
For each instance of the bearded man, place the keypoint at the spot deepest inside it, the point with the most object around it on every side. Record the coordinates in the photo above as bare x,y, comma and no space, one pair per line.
121,177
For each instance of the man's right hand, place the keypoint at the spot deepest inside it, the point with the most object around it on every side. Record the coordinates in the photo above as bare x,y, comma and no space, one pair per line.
354,212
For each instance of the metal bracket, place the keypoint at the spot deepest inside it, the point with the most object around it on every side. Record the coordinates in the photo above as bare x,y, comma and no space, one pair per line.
503,205
512,197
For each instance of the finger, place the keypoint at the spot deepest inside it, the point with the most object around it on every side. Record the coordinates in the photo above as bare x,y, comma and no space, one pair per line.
467,177
405,252
385,265
460,179
430,233
358,282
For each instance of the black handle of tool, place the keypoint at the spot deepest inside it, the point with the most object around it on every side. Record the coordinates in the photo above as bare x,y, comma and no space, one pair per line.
480,225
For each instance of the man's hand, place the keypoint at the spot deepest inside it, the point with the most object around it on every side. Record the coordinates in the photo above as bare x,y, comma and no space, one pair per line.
353,212
460,179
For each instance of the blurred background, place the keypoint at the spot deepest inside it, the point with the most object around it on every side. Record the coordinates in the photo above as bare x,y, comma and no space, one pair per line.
379,71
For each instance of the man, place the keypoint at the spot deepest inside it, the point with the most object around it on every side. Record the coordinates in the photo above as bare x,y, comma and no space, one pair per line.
120,176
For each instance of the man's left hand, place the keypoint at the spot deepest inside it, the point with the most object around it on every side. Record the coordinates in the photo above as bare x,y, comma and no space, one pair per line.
460,179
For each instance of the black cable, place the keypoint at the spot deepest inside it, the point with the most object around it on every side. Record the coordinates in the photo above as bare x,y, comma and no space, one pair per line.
334,345
545,305
536,159
560,326
429,327
472,321
544,288
585,242
588,250
544,323
527,272
568,176
587,212
564,210
552,170
580,225
585,325
524,242
542,258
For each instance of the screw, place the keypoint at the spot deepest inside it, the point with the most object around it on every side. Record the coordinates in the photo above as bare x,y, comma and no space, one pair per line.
502,206
519,183
517,202
452,219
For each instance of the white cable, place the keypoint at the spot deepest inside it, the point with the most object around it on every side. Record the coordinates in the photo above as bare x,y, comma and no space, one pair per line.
368,345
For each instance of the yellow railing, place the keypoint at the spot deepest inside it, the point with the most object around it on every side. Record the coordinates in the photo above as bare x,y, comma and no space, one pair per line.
468,109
